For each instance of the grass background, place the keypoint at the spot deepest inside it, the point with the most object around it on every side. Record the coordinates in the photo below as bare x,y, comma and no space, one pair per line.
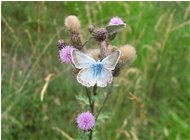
159,77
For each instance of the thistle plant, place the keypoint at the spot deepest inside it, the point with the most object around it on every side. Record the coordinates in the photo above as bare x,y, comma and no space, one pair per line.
96,67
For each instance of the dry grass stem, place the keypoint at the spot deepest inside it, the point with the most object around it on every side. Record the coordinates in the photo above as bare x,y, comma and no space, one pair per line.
168,29
180,26
47,79
63,133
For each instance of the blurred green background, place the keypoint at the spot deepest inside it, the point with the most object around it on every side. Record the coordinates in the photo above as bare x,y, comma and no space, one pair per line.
159,77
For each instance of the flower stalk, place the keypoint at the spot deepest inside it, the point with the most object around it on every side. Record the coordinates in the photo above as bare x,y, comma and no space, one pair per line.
92,108
108,94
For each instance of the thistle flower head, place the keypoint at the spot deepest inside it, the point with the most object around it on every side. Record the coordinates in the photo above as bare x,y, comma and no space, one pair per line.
85,121
72,23
116,21
128,54
65,54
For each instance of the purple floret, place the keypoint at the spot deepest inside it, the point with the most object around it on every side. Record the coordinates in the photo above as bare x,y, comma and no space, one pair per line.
85,121
116,21
65,54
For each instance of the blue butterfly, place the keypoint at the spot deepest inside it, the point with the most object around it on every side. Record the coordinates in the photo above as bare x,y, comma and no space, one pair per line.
95,72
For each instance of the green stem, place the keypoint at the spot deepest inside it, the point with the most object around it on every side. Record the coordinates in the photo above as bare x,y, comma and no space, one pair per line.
89,96
94,94
109,92
92,108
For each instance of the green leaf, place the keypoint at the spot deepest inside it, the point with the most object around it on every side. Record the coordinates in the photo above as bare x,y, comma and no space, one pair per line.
83,99
102,117
96,98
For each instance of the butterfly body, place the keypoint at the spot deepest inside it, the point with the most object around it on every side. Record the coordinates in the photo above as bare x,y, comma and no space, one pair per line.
97,69
94,72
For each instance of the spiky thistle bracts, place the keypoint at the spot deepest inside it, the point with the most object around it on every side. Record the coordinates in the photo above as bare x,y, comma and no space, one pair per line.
72,23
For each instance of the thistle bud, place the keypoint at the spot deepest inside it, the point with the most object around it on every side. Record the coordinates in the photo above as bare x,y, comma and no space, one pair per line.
128,54
100,34
61,44
72,23
91,28
76,41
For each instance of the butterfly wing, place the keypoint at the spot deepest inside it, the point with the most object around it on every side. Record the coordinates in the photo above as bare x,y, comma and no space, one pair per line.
85,62
85,77
104,78
115,28
81,60
111,60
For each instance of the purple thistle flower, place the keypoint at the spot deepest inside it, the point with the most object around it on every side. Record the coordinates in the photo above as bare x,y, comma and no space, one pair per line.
65,54
116,21
85,121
